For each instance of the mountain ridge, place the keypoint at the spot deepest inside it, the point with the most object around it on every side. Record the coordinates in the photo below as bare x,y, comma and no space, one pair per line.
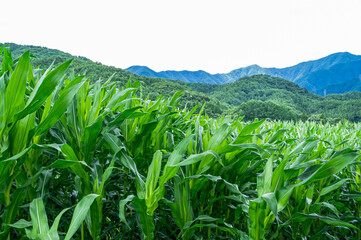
299,73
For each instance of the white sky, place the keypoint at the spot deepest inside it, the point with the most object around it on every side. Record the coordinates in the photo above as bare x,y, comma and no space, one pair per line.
215,36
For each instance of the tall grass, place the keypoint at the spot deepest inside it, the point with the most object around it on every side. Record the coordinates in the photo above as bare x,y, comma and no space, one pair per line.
83,160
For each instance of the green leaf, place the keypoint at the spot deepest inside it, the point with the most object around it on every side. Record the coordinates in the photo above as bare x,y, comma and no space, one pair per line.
15,91
119,96
60,105
80,212
176,156
271,200
337,162
2,106
122,210
53,232
12,210
208,222
124,115
333,187
277,135
283,195
70,155
220,135
250,128
21,224
90,139
175,98
106,176
39,218
264,181
62,163
43,89
7,61
196,158
153,174
257,216
118,149
145,221
301,217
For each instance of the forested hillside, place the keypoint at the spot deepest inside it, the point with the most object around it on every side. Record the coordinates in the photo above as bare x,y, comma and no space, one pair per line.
263,96
258,96
44,57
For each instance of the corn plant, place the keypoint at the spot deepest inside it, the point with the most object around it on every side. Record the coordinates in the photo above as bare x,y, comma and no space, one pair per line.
39,221
136,168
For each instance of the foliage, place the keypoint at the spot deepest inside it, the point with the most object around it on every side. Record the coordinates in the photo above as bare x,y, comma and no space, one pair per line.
257,109
219,99
97,161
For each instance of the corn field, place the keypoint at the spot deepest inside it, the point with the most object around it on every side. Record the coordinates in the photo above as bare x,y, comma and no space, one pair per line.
83,160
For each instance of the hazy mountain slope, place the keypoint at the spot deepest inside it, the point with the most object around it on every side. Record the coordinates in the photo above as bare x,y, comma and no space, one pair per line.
186,76
349,86
242,72
303,69
142,71
314,75
341,73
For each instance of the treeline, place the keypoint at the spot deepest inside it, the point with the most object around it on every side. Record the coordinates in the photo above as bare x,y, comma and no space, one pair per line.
263,96
258,96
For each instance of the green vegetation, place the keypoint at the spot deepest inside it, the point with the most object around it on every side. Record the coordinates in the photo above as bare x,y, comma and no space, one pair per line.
97,160
154,87
285,94
220,99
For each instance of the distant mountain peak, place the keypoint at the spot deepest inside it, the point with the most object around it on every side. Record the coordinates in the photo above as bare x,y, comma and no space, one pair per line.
138,67
315,75
341,54
253,66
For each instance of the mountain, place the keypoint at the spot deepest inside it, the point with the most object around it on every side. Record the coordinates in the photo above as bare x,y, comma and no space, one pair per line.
185,76
315,75
261,96
349,86
337,74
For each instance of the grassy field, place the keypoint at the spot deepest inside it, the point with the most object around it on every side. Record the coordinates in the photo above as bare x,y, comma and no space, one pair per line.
81,160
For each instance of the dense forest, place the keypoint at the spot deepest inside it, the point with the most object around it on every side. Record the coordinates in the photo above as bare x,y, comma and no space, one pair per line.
280,99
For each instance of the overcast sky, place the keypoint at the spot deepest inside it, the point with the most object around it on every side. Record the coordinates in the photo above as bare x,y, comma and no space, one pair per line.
215,36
